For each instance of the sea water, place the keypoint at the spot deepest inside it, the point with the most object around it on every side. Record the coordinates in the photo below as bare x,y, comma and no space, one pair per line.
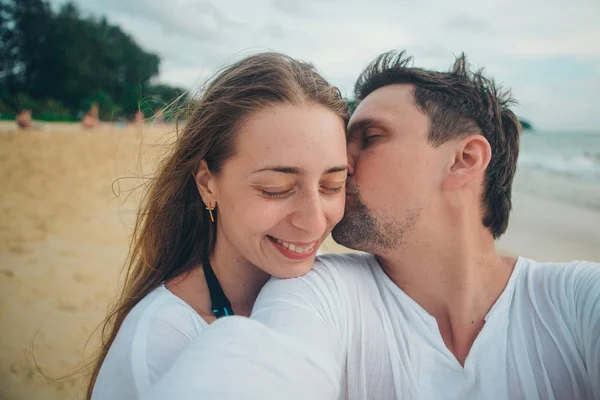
566,153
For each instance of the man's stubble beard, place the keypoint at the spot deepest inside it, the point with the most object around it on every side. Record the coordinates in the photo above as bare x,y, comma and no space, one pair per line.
360,229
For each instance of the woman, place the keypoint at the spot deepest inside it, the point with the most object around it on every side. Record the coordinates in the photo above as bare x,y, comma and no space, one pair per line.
253,186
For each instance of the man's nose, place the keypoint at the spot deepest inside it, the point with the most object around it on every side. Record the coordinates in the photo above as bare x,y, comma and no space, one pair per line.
351,161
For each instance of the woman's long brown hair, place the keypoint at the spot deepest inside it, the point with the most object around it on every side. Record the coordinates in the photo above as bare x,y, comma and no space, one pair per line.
172,232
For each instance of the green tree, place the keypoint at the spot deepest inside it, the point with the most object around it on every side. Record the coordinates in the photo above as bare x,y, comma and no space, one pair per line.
63,61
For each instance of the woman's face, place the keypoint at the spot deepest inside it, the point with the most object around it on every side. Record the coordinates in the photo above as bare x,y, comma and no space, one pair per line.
283,192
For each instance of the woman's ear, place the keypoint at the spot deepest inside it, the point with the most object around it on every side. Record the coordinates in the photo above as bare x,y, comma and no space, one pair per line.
206,184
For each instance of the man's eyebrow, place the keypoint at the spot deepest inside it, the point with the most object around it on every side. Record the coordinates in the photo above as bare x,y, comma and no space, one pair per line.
359,125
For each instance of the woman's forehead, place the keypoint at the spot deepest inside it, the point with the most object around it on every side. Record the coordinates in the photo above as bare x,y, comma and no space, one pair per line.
303,137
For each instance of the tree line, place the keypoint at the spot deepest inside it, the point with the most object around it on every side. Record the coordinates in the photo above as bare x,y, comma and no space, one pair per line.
57,63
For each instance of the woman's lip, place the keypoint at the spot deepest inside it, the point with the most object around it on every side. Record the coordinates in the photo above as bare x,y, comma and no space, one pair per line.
301,244
292,254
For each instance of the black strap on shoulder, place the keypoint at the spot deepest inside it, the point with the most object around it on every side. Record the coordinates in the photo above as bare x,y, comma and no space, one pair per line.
220,304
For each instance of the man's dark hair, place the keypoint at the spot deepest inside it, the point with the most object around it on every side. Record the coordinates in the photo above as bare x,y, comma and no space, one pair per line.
459,103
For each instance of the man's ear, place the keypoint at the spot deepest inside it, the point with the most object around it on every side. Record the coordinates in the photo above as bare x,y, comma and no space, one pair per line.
206,184
471,157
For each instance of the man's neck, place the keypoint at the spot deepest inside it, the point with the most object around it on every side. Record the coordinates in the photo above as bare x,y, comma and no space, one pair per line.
455,276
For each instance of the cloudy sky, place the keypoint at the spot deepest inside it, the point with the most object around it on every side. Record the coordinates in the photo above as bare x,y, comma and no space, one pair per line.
547,51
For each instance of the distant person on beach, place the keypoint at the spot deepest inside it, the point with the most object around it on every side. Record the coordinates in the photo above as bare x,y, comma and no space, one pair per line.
24,120
252,187
138,118
91,118
431,310
159,117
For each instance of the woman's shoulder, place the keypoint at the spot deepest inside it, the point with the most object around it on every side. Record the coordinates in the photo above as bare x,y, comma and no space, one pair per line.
152,335
161,305
160,313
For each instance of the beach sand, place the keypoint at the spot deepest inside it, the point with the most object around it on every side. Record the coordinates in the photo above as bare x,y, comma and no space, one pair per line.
554,218
64,236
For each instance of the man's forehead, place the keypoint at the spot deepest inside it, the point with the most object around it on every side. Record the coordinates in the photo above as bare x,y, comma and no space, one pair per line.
383,104
390,95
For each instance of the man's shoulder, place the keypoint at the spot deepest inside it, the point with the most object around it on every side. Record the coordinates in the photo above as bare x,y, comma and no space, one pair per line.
331,275
559,270
345,262
560,279
346,267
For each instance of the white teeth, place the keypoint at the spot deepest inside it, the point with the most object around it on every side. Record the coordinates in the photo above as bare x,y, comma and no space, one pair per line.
295,248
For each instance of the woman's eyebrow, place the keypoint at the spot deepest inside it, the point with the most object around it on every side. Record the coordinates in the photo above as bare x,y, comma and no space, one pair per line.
281,169
336,169
298,171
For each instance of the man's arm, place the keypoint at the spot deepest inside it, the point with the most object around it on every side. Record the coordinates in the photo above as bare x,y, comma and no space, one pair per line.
309,309
586,290
291,349
237,358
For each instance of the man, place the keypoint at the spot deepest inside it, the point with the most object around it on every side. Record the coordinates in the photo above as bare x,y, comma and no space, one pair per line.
24,120
433,312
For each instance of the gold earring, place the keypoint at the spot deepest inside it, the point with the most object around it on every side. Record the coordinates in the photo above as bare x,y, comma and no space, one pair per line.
209,208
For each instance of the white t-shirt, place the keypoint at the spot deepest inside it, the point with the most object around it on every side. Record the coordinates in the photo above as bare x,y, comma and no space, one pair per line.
346,328
151,337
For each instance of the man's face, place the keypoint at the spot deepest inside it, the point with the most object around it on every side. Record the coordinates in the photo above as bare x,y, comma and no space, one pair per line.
395,174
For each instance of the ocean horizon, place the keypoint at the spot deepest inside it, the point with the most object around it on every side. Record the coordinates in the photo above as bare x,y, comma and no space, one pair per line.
569,153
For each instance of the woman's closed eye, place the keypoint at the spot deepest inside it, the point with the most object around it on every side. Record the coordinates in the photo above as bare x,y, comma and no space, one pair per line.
275,193
332,188
328,188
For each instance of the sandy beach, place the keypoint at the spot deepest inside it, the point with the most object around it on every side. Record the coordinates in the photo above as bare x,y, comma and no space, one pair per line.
65,222
554,218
